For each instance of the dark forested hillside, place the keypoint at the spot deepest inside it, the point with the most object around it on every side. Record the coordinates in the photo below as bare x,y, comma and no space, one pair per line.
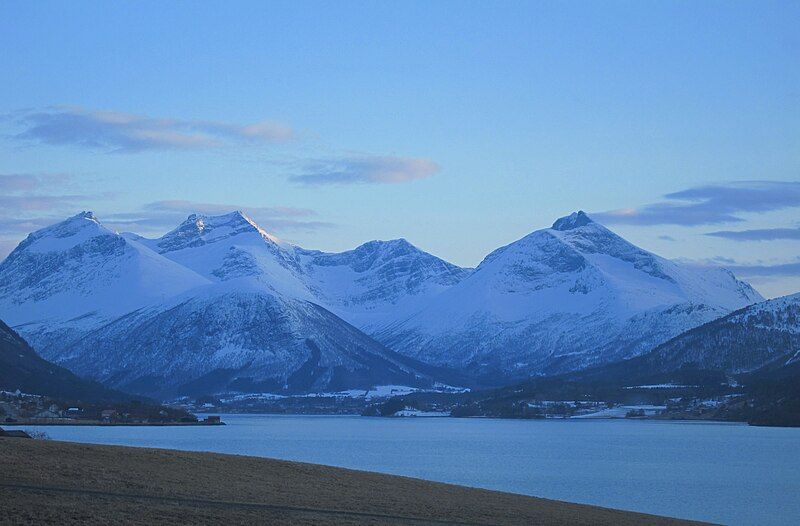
21,368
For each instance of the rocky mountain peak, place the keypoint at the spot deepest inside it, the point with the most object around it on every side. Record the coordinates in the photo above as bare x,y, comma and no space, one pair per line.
200,229
572,221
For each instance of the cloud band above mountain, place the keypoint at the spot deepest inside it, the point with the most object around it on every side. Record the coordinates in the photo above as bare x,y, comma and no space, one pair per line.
781,269
710,204
761,234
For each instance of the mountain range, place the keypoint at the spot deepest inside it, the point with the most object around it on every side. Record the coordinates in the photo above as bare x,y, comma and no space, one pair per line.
219,304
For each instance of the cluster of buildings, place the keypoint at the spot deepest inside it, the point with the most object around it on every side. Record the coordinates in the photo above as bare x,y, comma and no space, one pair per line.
18,407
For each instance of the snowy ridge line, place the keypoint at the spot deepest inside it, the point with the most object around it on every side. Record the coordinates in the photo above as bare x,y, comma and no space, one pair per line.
220,304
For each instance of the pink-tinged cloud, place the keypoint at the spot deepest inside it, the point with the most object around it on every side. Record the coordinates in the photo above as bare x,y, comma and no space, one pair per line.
366,170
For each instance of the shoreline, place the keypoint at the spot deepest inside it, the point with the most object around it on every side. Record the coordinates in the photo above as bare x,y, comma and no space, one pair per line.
44,483
98,423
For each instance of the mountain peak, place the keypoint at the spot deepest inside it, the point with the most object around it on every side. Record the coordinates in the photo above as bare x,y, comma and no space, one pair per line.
72,230
200,229
85,215
390,243
202,222
75,222
572,221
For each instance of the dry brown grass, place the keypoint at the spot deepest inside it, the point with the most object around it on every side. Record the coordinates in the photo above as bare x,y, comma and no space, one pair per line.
44,482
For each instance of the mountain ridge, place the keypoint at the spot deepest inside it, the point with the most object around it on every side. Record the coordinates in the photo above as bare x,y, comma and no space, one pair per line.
565,297
148,297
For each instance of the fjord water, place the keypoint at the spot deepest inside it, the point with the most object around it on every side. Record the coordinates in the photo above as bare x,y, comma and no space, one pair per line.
724,473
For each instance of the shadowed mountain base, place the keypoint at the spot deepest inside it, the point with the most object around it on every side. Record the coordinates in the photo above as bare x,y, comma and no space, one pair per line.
45,482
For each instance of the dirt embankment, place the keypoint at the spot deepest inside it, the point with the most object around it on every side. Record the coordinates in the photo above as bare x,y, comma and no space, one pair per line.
46,482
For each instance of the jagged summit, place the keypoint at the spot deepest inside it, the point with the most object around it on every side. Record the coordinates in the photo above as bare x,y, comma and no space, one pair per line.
206,221
200,229
72,223
86,214
572,221
391,244
79,268
70,232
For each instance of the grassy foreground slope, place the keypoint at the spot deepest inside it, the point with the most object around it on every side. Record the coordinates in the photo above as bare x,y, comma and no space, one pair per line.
44,482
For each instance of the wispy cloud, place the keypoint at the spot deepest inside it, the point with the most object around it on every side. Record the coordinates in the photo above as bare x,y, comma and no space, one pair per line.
14,204
25,182
29,193
665,237
761,234
125,132
779,270
710,204
365,170
158,216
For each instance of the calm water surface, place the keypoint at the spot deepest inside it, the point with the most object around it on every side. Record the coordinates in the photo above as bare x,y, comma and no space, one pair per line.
732,474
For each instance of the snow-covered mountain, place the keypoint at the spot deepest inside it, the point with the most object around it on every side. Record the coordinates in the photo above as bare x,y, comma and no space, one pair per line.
563,298
378,282
218,302
369,286
235,337
79,272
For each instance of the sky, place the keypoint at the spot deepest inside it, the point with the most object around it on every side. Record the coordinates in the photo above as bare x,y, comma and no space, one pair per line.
460,126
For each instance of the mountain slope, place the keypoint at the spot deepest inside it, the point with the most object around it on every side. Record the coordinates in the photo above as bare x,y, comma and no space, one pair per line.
567,297
21,368
79,272
223,338
742,367
766,334
758,345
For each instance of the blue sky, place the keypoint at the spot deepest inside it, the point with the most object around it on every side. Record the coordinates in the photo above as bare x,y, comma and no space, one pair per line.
460,126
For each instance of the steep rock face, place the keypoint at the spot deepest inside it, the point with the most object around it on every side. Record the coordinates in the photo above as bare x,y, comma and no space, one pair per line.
232,246
562,298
